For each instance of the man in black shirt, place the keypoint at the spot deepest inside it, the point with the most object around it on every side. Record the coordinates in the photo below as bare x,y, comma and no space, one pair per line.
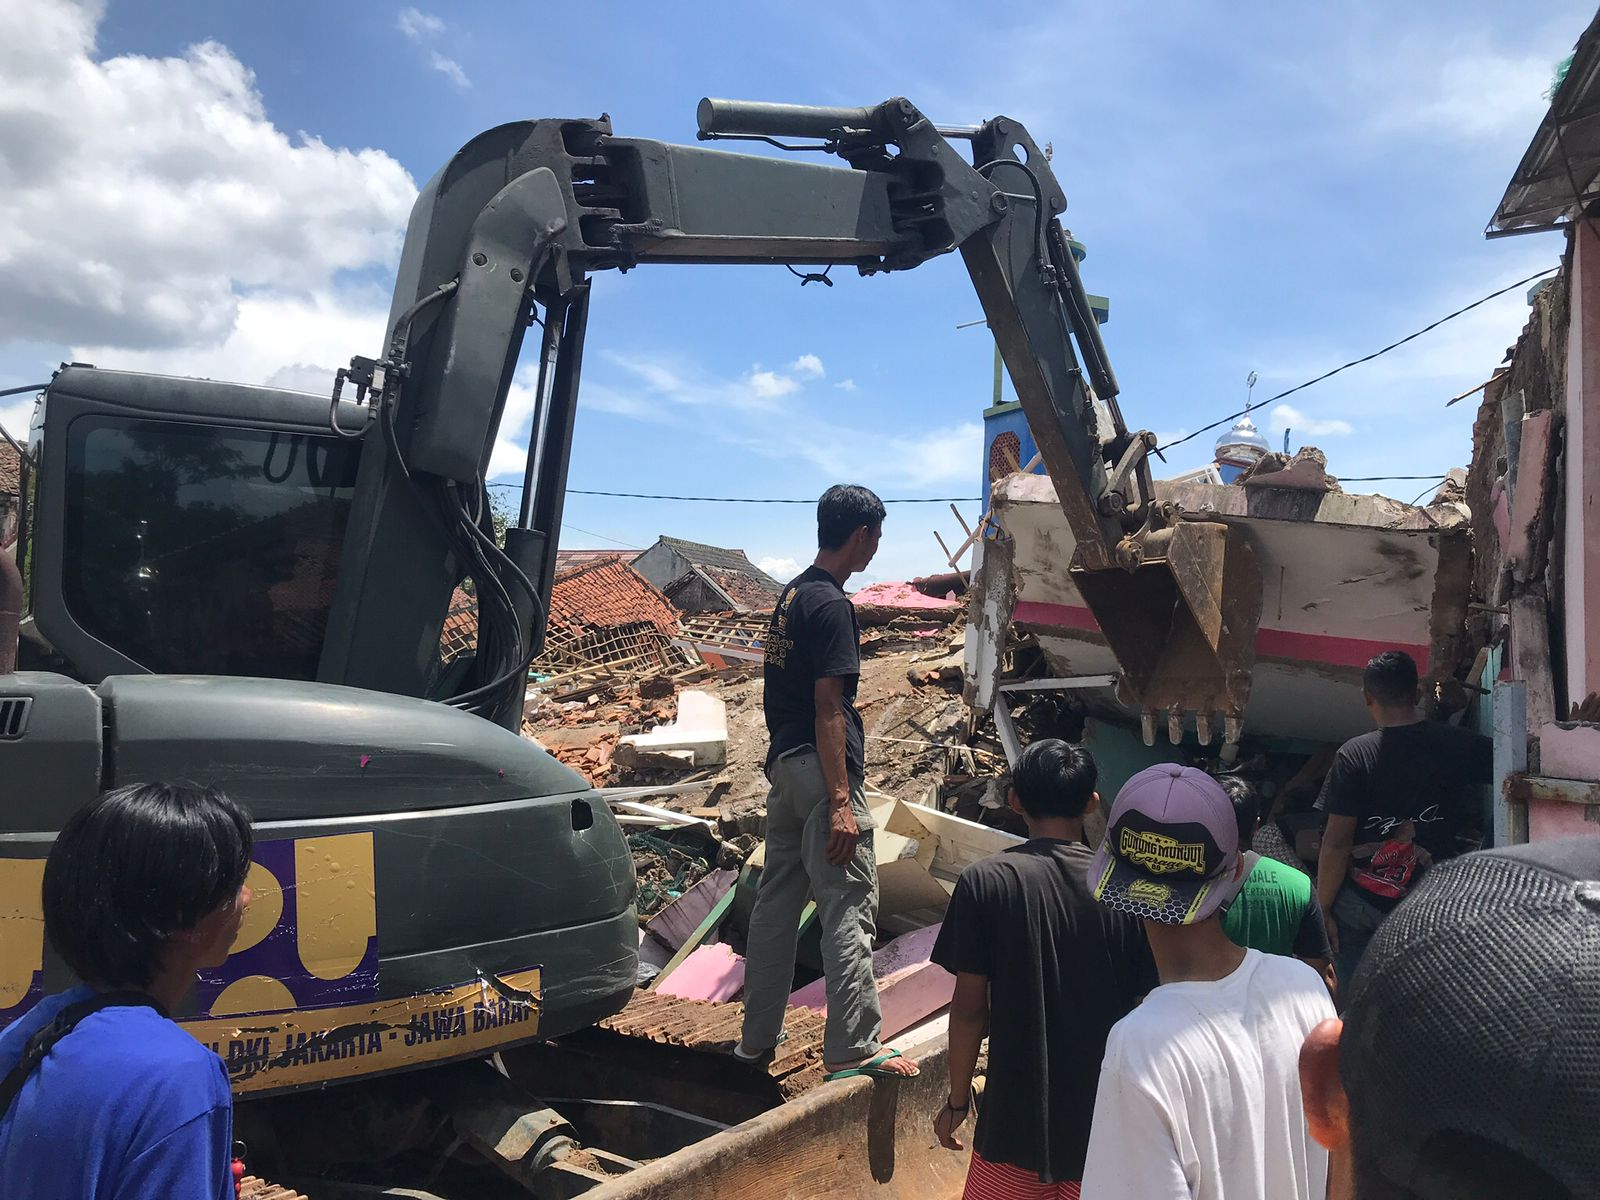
1395,799
1049,971
819,831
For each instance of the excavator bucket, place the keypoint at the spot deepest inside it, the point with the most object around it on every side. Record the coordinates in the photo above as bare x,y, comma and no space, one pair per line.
1182,625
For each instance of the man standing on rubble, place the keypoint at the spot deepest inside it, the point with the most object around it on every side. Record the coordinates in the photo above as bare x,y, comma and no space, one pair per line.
1394,799
819,830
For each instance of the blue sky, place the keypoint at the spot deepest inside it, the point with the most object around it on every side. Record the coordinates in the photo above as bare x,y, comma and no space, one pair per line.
219,189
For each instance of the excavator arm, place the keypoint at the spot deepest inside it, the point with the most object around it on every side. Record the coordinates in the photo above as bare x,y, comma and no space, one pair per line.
511,232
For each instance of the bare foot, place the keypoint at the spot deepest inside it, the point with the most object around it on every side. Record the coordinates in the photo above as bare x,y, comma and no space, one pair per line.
903,1067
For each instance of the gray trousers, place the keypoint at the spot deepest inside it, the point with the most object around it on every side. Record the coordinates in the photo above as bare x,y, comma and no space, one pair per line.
1358,919
847,912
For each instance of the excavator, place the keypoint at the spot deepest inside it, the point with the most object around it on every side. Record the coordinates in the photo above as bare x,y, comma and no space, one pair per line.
245,586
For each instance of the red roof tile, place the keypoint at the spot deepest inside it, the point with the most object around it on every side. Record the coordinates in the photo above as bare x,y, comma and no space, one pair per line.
608,592
568,559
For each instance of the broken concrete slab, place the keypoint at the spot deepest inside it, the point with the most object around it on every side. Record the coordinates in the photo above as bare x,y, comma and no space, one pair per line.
1570,751
697,737
1306,471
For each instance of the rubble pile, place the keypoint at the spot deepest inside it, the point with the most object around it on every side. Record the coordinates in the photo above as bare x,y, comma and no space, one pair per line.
583,732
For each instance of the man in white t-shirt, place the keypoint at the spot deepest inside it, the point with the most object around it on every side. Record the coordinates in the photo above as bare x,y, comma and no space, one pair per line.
1199,1094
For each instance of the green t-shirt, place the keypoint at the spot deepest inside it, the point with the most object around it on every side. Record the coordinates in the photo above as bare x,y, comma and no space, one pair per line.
1277,912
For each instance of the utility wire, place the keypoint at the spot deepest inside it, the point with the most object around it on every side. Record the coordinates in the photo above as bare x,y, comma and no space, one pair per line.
753,499
603,537
1376,478
1356,362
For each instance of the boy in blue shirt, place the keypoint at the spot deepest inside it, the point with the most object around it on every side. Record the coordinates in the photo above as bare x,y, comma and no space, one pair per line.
102,1096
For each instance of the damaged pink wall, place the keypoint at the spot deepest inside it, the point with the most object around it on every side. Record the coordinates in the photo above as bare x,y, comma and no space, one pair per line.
1582,550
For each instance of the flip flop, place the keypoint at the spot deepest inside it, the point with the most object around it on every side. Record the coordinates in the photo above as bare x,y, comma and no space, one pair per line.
761,1058
874,1068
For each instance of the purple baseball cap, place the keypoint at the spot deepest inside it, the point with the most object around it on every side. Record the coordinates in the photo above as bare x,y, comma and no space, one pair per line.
1171,851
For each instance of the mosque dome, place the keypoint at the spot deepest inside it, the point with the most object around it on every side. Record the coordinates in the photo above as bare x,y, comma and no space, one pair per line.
1244,443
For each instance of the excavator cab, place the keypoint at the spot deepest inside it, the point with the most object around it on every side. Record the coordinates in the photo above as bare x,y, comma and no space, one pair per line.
422,875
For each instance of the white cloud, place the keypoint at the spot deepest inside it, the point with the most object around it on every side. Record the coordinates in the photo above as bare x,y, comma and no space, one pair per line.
1461,92
953,454
423,28
1286,416
450,68
276,336
846,385
769,385
147,198
808,366
419,26
782,569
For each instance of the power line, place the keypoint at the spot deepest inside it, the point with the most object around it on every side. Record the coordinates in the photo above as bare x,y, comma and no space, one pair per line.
1376,478
1356,362
565,524
752,499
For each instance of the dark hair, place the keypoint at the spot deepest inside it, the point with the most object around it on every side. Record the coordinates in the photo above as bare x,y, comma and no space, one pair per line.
1054,778
135,866
1391,679
843,509
1246,806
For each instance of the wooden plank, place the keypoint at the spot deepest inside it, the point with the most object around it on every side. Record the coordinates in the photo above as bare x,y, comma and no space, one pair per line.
1061,684
947,555
692,942
962,521
1009,742
1530,789
1510,701
959,841
673,925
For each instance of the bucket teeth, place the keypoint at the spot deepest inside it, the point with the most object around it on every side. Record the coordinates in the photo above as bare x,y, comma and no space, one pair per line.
1175,725
1202,726
1147,726
1232,730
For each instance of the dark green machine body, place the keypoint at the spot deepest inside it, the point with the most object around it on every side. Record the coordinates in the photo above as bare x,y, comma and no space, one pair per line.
489,856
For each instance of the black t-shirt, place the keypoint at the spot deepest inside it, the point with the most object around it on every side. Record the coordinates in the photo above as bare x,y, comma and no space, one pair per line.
1416,773
813,635
1062,971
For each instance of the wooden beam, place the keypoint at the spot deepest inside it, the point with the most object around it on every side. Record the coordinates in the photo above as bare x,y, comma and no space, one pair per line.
1062,684
960,520
690,943
1526,789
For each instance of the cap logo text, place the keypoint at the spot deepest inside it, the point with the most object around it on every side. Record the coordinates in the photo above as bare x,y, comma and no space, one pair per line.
1161,855
1145,891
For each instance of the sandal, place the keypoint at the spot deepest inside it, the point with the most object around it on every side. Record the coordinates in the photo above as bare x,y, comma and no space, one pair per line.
874,1068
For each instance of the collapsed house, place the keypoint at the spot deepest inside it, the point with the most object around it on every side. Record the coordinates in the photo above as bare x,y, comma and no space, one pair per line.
698,578
1535,474
604,618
